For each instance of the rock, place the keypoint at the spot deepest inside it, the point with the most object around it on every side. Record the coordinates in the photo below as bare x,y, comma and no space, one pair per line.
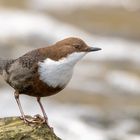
13,128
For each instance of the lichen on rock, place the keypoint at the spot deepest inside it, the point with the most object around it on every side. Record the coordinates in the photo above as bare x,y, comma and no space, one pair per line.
13,128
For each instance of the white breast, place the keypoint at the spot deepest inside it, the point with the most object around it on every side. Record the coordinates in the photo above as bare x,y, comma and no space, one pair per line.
58,73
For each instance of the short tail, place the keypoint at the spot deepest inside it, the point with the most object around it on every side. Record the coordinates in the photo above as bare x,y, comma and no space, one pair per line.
4,63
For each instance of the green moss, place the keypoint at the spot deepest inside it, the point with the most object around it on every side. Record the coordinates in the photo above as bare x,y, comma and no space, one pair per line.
13,128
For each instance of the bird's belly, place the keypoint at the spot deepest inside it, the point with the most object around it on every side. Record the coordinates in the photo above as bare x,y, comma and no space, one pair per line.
40,89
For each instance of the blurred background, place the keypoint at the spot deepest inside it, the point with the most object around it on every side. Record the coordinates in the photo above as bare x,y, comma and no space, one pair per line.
102,101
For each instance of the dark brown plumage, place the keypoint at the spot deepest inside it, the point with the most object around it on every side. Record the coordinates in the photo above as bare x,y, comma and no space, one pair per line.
23,74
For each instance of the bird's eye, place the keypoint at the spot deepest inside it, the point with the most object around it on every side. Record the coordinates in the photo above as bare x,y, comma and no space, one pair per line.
77,46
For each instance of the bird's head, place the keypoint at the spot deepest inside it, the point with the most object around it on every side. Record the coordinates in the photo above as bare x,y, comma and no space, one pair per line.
72,48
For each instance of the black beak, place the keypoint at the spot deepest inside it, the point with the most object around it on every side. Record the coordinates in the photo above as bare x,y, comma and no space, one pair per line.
91,49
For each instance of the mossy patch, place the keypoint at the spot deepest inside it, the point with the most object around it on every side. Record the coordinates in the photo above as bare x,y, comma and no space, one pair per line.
12,128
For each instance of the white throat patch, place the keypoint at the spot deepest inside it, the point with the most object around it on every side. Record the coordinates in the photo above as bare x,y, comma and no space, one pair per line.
58,73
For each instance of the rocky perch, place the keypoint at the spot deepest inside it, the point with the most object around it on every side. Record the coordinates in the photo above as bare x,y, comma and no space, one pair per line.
13,128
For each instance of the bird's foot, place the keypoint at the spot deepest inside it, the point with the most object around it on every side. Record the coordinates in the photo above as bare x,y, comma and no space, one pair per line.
32,120
37,119
43,120
27,119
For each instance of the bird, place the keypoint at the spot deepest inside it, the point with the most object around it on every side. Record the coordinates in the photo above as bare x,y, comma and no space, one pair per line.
44,71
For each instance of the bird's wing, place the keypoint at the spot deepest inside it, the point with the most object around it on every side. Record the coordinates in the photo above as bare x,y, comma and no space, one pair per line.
4,64
22,72
31,58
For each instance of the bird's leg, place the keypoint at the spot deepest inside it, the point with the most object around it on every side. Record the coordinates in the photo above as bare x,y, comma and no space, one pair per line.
20,108
43,110
19,105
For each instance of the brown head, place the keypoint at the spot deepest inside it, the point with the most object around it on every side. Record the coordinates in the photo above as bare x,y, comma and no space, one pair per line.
64,48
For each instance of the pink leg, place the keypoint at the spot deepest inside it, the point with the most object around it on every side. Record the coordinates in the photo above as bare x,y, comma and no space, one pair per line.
20,108
43,110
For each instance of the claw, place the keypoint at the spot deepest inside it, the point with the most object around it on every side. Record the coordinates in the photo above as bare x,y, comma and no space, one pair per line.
37,116
43,120
26,120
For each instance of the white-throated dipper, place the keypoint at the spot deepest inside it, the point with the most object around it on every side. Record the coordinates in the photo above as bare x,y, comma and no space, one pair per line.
44,71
